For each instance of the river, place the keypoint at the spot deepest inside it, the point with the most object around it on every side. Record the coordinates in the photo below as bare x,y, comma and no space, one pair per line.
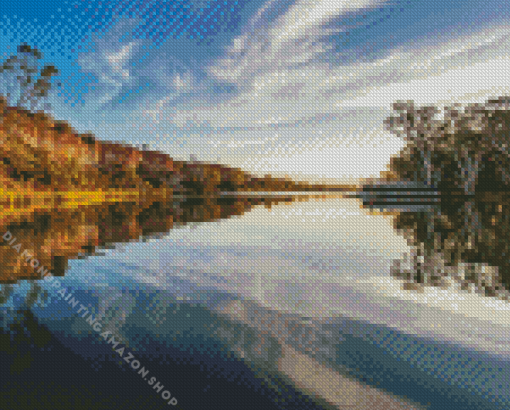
302,291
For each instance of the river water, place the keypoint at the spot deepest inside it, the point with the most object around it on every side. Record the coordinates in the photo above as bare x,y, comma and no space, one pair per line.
302,291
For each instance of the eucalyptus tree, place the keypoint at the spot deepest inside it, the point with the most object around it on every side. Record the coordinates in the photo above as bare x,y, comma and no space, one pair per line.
417,127
31,86
470,138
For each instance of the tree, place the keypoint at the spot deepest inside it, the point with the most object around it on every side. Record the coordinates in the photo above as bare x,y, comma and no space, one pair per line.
31,88
417,127
466,138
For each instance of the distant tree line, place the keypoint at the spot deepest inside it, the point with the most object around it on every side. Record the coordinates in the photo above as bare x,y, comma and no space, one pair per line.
64,158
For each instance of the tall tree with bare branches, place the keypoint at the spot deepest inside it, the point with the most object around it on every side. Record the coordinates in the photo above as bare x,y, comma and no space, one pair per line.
30,86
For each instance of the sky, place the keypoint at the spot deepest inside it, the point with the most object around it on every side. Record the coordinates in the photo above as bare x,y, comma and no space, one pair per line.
281,87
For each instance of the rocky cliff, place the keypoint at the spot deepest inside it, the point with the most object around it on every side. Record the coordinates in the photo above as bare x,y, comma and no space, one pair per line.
40,153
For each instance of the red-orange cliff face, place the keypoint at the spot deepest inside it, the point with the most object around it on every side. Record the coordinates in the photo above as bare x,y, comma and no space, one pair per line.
157,169
118,164
38,152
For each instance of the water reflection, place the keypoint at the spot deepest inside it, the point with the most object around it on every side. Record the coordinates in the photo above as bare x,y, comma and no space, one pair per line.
462,242
324,357
281,351
52,238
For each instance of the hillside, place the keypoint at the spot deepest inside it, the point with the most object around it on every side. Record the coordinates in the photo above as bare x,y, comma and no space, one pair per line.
38,153
203,178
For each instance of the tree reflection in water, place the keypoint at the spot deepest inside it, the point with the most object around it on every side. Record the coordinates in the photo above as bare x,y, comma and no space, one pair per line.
465,242
54,238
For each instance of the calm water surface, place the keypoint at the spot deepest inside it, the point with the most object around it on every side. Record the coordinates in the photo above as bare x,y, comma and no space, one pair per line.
294,284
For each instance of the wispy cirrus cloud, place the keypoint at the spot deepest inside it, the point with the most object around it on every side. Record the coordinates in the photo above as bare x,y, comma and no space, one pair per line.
280,96
110,62
285,95
272,65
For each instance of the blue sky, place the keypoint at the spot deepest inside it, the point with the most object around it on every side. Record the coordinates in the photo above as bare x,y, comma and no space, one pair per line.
287,87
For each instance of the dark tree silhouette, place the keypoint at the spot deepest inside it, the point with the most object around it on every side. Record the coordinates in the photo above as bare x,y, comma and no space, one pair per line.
32,87
454,148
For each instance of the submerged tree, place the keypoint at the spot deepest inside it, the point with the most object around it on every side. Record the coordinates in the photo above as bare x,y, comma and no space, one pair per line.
32,85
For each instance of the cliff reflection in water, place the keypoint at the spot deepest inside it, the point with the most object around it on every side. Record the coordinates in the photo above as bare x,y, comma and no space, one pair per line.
54,238
463,242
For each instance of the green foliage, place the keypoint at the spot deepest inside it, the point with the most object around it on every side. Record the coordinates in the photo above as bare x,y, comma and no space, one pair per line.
32,87
467,138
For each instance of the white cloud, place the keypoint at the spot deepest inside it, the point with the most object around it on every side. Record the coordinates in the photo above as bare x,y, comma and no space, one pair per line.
183,82
232,143
314,106
119,59
260,61
451,70
110,60
468,69
292,38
